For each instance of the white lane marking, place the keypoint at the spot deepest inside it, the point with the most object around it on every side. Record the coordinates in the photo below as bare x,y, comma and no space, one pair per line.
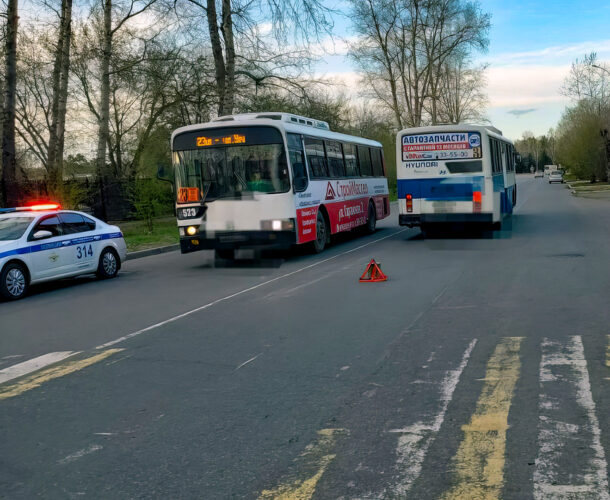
32,365
415,440
246,362
13,356
241,292
564,375
80,453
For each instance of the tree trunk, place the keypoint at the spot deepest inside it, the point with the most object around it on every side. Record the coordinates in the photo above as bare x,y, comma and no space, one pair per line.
9,163
219,62
61,70
227,34
102,137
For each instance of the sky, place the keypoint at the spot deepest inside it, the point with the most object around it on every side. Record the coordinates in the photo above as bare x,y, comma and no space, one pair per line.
532,45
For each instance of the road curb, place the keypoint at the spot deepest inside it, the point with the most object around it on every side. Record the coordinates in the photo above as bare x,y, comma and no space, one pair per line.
152,251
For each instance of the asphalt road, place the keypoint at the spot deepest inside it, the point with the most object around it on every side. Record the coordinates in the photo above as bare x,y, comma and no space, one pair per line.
480,369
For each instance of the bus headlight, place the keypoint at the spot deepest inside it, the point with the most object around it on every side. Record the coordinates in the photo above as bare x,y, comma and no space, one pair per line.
191,230
277,225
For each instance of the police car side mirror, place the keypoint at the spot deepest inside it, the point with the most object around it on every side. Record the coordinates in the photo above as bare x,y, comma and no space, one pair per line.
42,234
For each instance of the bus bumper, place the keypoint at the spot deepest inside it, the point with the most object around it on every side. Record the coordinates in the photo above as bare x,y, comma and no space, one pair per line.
412,220
233,240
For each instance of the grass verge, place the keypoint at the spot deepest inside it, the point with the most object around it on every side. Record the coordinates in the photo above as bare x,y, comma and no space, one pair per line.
137,236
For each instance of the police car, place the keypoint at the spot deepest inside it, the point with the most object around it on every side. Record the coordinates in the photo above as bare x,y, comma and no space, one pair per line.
43,242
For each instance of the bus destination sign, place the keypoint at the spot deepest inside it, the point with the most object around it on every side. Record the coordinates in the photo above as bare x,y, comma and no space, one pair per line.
221,141
441,146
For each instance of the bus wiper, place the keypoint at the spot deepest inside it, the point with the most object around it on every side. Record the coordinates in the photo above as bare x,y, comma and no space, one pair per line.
241,180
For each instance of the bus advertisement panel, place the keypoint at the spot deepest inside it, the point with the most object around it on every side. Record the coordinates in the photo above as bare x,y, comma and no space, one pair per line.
441,146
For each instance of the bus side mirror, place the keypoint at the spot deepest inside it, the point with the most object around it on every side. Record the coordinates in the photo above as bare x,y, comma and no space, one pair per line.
300,184
163,174
517,157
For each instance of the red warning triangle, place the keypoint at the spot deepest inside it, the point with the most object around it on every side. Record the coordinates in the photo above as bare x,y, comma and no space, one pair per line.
330,192
373,273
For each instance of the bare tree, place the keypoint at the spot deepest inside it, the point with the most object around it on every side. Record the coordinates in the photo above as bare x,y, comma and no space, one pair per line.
404,46
61,71
453,29
588,81
461,93
294,20
108,32
10,192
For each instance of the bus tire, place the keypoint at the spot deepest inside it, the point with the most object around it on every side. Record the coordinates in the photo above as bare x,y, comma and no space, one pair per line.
224,254
322,233
371,220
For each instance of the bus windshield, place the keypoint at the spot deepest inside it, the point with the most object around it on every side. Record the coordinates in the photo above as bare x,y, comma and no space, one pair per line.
230,171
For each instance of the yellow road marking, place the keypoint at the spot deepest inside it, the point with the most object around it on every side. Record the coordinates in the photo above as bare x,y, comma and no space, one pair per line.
37,379
479,461
315,460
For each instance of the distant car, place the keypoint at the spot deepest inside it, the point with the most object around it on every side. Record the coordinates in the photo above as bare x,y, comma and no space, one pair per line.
539,173
556,176
42,243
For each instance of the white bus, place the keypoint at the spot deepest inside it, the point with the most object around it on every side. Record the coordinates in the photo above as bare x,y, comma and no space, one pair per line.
261,180
454,174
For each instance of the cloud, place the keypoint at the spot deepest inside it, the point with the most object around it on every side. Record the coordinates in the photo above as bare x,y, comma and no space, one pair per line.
337,46
520,112
553,54
525,86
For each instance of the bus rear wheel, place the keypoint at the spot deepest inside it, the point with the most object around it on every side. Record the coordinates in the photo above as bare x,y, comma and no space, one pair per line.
224,254
371,221
322,233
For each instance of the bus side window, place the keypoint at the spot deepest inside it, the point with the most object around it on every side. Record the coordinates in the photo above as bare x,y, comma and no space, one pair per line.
316,158
351,160
495,160
297,161
377,162
336,166
364,161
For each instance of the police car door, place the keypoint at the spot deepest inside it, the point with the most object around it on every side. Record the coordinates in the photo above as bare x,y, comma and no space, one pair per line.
82,248
47,255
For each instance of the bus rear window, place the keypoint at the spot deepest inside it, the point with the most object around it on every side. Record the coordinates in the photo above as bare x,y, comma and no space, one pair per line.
464,167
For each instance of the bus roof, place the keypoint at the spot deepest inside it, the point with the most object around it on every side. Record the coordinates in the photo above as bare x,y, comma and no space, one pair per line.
286,121
464,127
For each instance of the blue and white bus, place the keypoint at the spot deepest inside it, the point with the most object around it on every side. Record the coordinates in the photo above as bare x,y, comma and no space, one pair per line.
454,174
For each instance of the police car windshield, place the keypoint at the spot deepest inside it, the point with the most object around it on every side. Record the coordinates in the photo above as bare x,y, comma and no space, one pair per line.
12,228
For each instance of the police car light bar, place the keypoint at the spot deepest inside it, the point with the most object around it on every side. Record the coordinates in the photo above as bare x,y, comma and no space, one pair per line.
32,208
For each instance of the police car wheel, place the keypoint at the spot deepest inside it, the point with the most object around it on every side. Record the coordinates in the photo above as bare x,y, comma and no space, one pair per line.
109,264
13,281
